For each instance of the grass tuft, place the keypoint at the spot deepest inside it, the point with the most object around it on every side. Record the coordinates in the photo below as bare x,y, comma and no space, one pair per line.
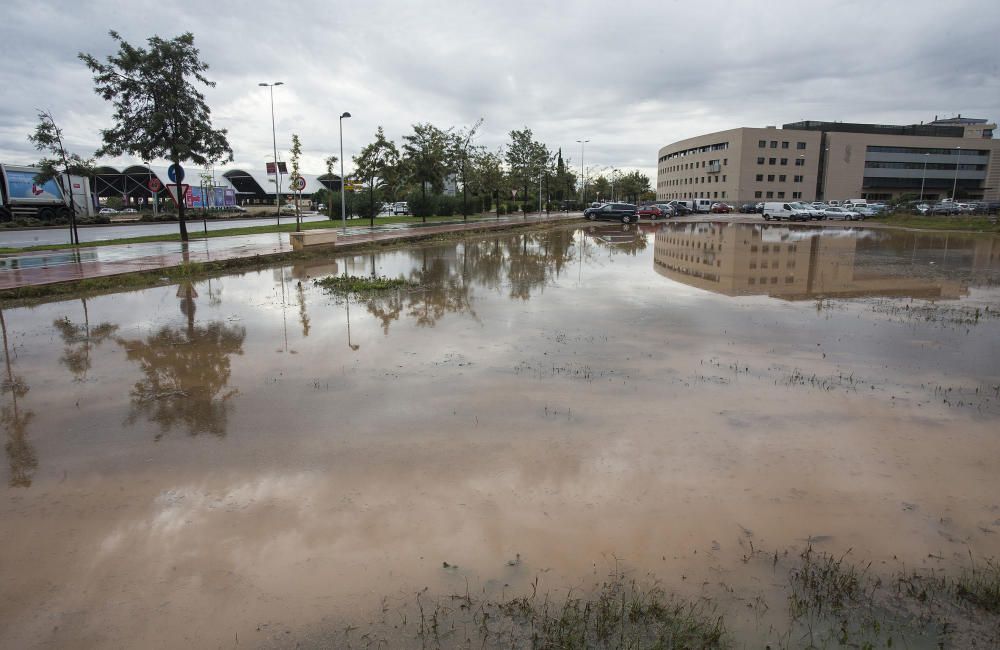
353,284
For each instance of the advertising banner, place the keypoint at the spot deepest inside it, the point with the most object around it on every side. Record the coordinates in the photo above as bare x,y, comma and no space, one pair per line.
229,198
22,187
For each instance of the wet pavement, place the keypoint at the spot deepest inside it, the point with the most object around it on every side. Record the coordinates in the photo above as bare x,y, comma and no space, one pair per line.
47,267
48,236
246,460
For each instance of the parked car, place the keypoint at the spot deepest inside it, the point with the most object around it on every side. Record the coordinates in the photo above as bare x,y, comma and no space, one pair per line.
650,211
129,211
320,207
749,208
865,211
814,213
681,208
287,208
922,208
402,207
837,212
667,210
108,211
721,208
237,208
944,208
624,212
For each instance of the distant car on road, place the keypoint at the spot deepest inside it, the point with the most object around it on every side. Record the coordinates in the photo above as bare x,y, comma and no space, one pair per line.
108,211
402,207
624,212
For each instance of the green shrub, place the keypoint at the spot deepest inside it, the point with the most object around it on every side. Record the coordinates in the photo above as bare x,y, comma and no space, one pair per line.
421,206
446,206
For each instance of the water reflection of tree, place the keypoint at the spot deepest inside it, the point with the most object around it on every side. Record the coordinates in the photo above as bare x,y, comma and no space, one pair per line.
20,452
446,276
185,373
78,339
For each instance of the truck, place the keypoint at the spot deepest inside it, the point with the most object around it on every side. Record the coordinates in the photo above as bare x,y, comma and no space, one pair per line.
22,197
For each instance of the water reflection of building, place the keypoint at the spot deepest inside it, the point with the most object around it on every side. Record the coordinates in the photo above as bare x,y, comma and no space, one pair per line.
784,262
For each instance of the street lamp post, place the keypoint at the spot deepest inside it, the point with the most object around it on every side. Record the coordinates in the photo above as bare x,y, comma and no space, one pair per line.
923,178
954,186
583,178
274,142
343,193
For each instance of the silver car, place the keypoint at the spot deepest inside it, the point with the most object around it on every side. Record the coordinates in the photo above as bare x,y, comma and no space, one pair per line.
835,212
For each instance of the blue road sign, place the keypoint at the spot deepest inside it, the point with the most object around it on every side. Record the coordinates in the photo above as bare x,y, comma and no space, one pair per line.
176,173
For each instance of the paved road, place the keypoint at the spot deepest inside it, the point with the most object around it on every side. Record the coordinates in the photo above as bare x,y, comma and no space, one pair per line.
47,236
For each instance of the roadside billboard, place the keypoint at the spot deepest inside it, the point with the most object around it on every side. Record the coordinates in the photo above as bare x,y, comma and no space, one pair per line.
22,188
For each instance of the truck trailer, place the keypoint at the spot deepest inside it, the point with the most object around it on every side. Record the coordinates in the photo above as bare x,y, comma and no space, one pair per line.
23,197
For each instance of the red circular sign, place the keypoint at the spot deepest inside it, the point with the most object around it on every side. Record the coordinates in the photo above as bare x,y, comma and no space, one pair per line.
154,184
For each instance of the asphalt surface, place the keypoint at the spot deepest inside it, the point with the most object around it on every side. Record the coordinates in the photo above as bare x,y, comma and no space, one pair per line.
50,236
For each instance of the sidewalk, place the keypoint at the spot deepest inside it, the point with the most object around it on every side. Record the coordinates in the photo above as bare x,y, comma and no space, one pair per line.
41,267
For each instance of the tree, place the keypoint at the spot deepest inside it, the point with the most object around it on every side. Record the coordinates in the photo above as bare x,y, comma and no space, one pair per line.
330,162
159,111
461,145
49,137
427,156
526,159
374,164
293,183
633,185
489,174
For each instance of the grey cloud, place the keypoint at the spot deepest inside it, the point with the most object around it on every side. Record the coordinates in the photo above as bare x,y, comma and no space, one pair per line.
630,77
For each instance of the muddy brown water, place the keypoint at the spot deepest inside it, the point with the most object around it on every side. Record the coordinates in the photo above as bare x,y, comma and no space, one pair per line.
242,460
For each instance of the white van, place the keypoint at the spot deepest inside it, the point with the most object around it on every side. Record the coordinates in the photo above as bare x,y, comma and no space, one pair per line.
785,211
703,205
850,202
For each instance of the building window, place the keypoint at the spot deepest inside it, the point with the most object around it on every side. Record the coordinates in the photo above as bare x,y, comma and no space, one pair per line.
770,178
784,161
800,145
761,144
796,195
725,161
781,195
723,178
784,145
757,195
798,179
760,178
770,195
715,195
799,162
774,144
723,194
760,160
781,179
771,161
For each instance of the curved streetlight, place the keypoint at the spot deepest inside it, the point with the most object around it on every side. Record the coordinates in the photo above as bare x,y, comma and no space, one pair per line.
274,141
583,178
343,193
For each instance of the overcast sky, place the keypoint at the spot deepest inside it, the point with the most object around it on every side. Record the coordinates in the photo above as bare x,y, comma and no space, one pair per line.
630,77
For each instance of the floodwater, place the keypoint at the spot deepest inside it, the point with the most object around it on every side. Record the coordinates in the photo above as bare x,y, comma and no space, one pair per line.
247,460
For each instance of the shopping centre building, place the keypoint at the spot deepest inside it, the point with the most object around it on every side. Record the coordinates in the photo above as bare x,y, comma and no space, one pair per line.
811,161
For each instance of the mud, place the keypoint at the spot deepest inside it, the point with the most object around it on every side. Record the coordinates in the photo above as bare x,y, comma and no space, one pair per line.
245,460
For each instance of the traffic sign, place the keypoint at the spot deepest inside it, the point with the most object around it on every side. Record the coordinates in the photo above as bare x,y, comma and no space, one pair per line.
300,183
154,185
172,190
176,173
